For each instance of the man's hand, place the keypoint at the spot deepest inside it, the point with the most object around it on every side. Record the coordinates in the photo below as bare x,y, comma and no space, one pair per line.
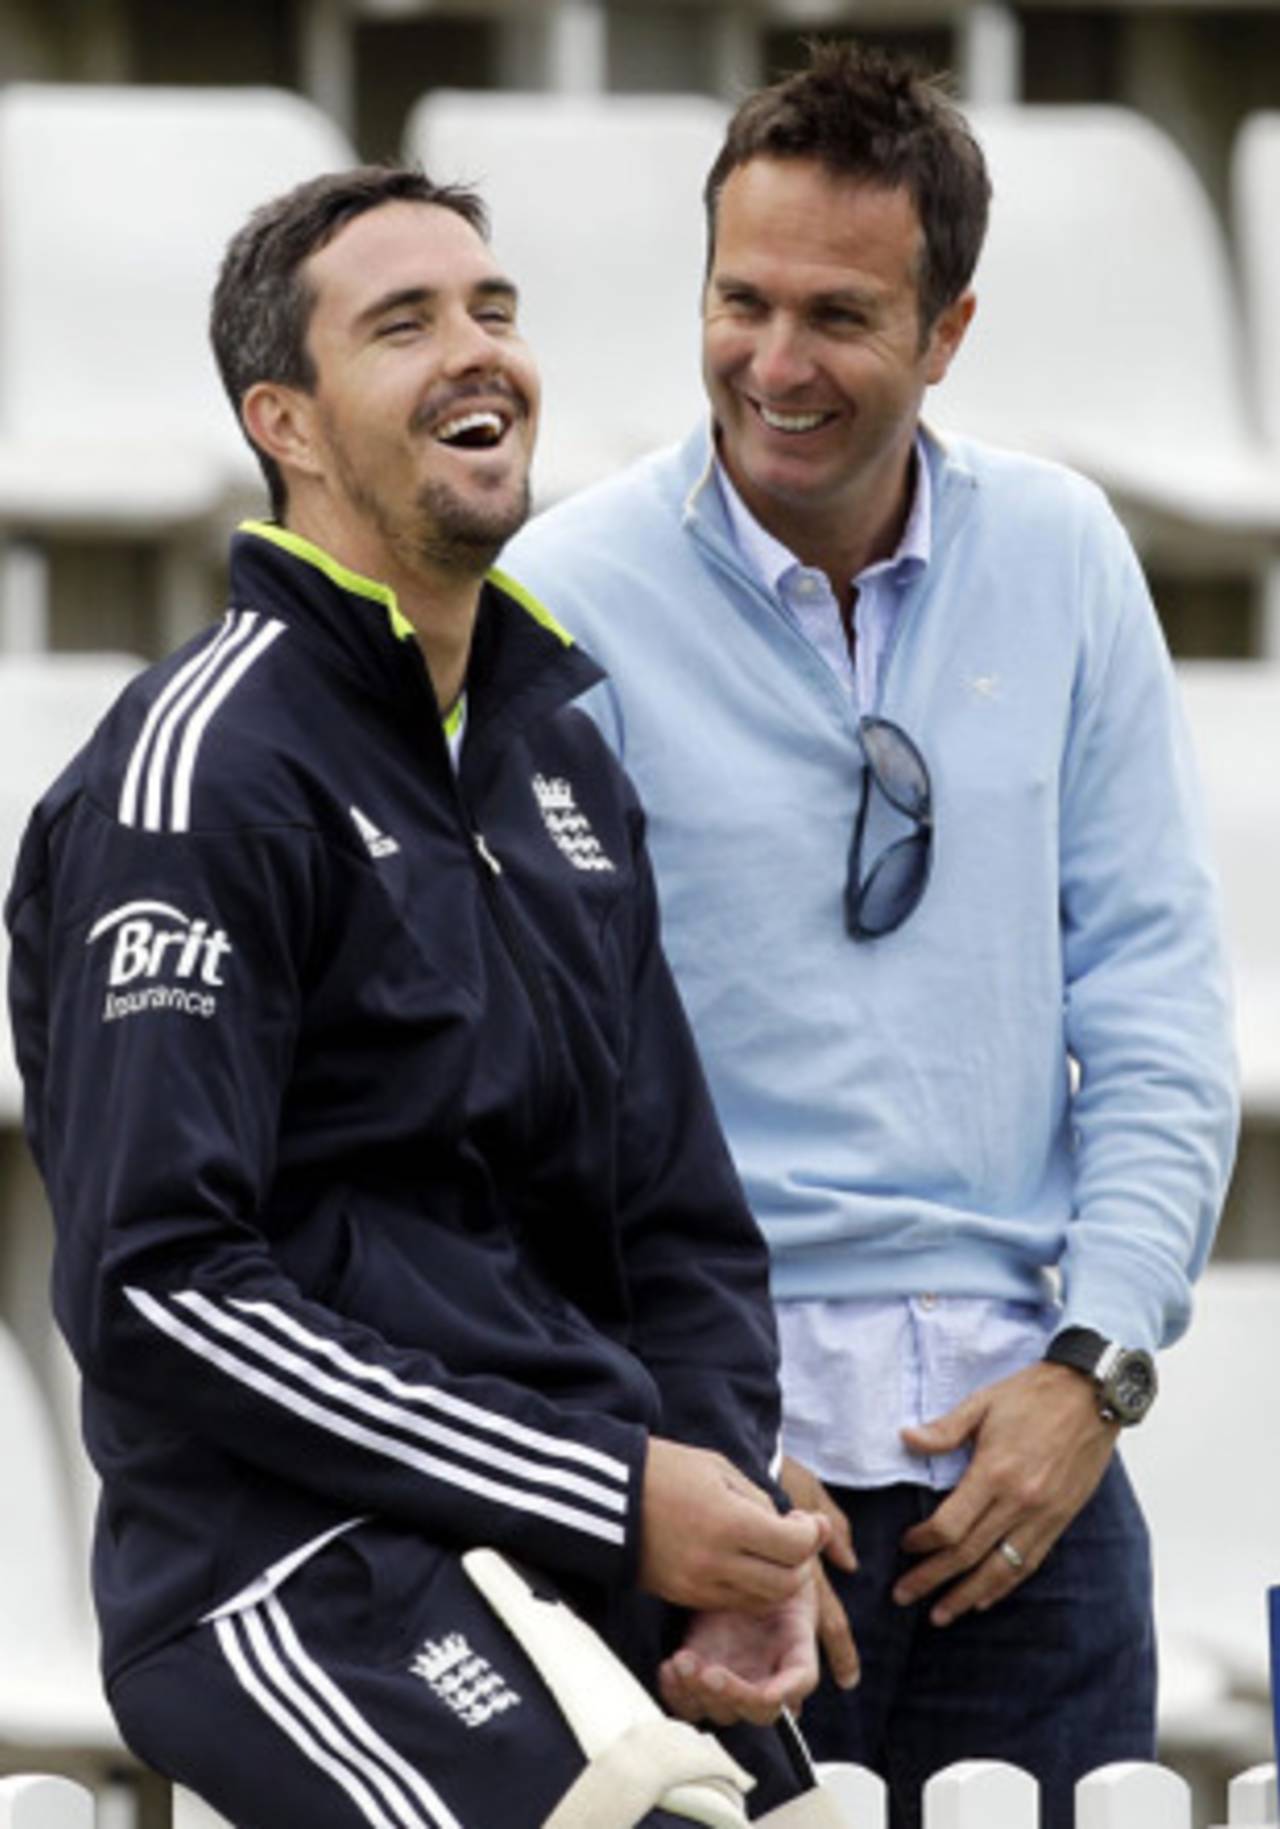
711,1540
734,1667
1039,1451
806,1490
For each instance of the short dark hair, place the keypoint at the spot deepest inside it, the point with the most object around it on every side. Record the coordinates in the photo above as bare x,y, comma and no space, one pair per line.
861,113
262,305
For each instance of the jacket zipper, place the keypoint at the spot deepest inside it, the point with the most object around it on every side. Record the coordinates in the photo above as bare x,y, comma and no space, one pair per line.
489,870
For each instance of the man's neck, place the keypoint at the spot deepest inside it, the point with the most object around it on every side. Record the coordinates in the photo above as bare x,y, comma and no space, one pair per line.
843,537
441,606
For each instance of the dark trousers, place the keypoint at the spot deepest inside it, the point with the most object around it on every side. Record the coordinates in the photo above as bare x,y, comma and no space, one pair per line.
1058,1678
376,1687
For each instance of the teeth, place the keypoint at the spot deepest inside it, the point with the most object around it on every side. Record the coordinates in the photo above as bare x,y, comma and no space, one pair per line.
488,422
790,422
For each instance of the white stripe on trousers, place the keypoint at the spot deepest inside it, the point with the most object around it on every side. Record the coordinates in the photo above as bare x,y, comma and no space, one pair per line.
272,1667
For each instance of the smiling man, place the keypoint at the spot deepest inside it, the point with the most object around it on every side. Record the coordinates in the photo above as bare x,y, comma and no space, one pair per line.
393,1221
937,896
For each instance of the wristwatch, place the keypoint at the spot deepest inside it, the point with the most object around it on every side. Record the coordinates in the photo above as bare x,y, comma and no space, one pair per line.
1124,1376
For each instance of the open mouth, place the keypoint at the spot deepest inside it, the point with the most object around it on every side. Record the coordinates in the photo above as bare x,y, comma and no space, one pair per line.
791,423
477,430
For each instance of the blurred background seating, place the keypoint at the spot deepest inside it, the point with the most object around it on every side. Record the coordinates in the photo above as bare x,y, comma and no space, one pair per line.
52,1711
115,204
1234,712
1255,198
1108,335
49,704
1208,1480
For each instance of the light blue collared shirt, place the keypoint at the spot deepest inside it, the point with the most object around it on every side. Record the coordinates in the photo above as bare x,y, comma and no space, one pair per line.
807,599
854,1373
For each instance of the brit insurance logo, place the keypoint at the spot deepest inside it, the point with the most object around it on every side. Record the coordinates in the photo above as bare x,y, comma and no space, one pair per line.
569,827
161,959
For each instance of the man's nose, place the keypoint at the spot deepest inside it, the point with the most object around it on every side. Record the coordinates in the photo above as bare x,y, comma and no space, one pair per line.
468,346
782,360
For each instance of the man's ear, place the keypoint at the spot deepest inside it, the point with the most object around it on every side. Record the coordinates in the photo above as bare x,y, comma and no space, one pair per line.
282,422
947,335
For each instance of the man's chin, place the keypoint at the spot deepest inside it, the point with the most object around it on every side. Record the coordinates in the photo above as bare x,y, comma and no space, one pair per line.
465,535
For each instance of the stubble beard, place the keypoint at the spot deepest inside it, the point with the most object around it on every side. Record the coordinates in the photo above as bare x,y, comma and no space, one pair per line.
446,533
462,538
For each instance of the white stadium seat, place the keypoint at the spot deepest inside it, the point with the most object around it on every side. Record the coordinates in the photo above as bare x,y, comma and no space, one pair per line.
1108,335
115,205
50,1693
1205,1470
1234,712
1255,195
49,704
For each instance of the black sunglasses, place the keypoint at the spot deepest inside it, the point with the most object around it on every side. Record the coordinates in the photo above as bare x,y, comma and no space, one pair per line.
881,900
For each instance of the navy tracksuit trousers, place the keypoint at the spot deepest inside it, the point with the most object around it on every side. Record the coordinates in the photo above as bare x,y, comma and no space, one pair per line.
377,1687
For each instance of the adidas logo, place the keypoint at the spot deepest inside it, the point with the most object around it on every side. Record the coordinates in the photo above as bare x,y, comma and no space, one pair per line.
378,843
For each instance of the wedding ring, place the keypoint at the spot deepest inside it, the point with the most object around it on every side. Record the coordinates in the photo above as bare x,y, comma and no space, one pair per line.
1013,1555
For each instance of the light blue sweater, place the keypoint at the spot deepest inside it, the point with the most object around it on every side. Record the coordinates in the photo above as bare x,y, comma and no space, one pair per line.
901,1110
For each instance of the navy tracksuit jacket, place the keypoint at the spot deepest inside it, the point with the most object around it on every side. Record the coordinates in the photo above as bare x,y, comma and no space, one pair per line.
384,1176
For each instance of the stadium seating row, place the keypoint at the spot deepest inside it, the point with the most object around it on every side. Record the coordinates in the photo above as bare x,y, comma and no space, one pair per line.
1111,331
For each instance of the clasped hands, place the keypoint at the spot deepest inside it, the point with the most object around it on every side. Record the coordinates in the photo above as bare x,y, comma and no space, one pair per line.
714,1543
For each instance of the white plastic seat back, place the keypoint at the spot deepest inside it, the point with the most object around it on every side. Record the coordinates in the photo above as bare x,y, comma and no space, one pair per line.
1107,332
115,206
597,216
1255,189
50,1691
37,1576
1234,712
1204,1469
40,1801
49,704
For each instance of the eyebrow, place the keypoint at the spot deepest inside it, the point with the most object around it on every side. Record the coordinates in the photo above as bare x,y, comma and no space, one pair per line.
847,297
405,297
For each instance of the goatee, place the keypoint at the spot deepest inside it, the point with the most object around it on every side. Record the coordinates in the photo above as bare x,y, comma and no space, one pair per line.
463,537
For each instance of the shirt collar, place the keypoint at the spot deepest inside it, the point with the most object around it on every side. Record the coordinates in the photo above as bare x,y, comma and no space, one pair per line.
772,561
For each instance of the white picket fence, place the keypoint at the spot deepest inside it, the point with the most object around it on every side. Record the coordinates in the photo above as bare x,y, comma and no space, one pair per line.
978,1794
986,1794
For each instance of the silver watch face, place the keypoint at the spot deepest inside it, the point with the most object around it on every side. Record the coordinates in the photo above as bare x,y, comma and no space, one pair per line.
1130,1388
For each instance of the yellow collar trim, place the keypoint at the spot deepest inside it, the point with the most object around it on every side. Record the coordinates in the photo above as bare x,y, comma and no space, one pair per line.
341,575
527,601
348,580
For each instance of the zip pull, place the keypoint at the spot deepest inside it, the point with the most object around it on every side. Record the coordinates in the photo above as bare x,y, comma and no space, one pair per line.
483,848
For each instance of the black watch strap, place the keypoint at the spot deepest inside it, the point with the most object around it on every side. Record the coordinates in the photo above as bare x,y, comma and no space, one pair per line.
1080,1347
